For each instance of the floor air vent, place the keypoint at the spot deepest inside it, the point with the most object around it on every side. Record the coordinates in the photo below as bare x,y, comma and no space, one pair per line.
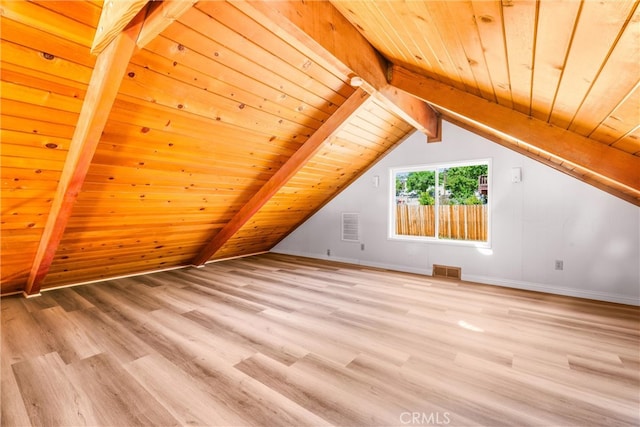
447,271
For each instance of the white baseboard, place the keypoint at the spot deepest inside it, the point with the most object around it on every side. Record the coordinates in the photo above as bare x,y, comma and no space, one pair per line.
549,289
496,281
395,267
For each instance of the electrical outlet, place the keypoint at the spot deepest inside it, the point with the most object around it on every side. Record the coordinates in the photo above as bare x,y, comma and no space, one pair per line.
362,246
328,252
559,264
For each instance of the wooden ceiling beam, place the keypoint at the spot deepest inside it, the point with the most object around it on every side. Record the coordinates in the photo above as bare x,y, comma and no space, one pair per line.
322,33
284,174
116,15
109,70
618,168
160,16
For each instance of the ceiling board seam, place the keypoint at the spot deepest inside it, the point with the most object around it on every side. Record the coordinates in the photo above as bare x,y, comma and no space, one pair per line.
533,56
505,52
484,57
300,76
566,59
630,132
613,46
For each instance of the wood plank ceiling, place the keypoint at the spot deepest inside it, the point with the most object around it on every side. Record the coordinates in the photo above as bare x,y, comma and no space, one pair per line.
558,81
197,131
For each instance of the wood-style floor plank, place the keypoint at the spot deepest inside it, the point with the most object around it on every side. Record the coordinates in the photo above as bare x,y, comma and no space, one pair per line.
49,394
275,340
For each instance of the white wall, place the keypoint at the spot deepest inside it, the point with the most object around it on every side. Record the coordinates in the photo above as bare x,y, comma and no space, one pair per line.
548,216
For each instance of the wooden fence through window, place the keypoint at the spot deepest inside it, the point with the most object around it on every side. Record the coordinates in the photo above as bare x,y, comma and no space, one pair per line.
455,221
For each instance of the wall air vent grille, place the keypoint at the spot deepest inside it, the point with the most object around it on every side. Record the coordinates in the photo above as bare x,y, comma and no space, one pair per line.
351,227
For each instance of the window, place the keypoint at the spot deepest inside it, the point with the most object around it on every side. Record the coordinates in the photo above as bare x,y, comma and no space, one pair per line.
446,202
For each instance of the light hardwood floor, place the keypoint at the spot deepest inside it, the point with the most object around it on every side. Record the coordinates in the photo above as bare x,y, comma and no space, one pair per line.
274,340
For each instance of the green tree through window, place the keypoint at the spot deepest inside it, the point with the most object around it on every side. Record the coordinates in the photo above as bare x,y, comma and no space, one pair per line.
461,184
442,202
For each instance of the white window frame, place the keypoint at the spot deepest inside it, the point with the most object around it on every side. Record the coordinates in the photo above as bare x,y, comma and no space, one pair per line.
435,166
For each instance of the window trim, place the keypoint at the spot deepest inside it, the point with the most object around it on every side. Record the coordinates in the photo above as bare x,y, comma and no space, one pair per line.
391,220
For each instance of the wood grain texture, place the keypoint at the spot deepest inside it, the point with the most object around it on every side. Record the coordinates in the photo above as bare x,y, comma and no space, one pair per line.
44,76
573,65
280,340
201,123
319,30
288,170
220,94
160,16
367,136
101,93
618,170
47,19
115,16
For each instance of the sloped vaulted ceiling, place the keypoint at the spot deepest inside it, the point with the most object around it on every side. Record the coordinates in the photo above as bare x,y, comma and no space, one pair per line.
138,136
558,81
212,138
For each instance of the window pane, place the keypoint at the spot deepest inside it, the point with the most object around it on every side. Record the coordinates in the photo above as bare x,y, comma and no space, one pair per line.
415,200
442,202
463,195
